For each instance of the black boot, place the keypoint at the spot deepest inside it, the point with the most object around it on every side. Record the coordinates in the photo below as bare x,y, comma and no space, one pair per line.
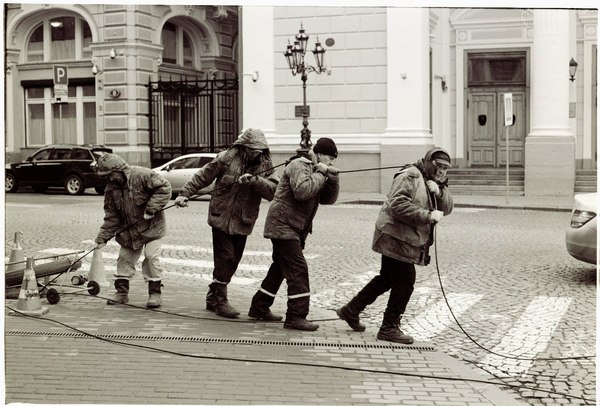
367,295
300,324
121,296
350,317
154,299
260,308
390,331
211,301
222,306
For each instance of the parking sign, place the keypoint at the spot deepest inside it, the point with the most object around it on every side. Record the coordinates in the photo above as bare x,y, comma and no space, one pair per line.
61,84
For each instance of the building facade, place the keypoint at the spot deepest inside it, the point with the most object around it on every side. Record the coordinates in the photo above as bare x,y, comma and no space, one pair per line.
398,81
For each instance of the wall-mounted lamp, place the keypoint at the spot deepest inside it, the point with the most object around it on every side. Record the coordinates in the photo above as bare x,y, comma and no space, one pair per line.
403,76
112,53
443,81
95,69
253,74
572,69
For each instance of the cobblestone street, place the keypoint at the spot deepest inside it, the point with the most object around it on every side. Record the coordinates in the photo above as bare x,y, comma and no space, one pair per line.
528,307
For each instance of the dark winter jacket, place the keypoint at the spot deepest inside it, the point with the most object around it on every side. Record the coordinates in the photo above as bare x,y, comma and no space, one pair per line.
297,199
403,229
234,207
146,192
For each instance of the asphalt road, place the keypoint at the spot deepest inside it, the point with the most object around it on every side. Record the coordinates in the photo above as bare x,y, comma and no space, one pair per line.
526,308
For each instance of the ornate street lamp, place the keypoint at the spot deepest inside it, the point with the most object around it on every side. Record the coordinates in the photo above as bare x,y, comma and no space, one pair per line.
294,55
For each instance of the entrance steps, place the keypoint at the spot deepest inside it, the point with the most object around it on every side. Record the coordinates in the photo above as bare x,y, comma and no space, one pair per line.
486,181
586,181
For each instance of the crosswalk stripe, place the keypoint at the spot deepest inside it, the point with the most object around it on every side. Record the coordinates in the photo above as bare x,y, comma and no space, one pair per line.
530,335
436,318
202,250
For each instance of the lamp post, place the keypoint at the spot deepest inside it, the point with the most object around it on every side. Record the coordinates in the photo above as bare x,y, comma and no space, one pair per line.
294,55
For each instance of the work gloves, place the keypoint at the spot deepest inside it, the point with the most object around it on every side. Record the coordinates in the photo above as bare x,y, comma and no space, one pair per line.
436,216
181,201
434,188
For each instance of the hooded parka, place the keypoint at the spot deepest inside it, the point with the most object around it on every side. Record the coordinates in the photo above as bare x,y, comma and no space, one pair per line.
403,229
124,207
234,207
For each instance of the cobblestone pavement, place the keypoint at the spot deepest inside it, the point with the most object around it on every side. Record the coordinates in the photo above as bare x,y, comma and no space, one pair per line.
505,273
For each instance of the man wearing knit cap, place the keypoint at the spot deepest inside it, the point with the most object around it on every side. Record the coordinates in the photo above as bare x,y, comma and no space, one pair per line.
133,203
307,181
244,175
418,199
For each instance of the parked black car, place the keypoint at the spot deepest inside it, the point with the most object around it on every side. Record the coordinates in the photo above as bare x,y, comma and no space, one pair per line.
70,166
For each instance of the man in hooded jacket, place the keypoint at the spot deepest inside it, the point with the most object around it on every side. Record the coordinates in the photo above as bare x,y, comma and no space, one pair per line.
418,199
133,210
244,175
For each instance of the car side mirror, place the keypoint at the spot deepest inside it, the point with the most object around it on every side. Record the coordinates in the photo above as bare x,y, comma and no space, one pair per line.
29,159
167,168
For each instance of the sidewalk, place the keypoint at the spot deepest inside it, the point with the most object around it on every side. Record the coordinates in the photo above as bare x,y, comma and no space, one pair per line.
551,203
211,360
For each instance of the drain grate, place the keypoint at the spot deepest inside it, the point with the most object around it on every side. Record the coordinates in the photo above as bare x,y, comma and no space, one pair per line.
218,340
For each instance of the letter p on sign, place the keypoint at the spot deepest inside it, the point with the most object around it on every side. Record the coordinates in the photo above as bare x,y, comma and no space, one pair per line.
61,75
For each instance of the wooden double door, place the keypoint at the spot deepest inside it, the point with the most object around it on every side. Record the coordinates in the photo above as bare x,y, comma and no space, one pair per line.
486,132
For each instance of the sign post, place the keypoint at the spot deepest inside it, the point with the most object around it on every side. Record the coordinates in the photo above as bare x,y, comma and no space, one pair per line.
508,121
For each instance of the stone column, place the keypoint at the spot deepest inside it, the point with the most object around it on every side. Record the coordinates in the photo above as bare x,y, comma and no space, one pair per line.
407,135
550,146
257,69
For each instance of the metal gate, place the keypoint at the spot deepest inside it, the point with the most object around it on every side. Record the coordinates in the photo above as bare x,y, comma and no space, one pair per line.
186,117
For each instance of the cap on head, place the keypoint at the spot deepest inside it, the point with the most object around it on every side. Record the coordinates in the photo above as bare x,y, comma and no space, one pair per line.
325,146
439,155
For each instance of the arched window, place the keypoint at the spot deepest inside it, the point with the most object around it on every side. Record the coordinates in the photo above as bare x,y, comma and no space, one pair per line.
178,46
59,39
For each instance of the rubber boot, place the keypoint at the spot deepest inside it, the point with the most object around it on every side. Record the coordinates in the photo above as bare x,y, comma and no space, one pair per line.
154,299
211,301
390,331
222,306
121,296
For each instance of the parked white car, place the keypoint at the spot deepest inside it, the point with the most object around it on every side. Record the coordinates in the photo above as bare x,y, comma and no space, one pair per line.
581,235
180,170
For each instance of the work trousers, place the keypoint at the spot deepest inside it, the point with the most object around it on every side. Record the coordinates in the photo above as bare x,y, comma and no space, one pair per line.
227,254
128,258
395,275
289,264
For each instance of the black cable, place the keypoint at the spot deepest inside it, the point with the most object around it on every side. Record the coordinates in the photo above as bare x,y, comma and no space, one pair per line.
304,364
469,336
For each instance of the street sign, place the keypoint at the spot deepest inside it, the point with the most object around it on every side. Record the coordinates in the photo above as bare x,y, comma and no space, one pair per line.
61,75
61,84
301,112
508,109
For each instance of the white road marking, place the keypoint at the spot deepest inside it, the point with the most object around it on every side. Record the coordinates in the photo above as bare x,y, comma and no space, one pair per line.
437,317
529,336
202,250
26,205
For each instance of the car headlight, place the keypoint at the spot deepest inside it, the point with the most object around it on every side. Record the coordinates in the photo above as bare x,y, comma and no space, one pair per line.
580,217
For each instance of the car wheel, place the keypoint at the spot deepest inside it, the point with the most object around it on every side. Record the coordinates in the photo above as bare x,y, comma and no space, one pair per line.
10,183
99,190
74,185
